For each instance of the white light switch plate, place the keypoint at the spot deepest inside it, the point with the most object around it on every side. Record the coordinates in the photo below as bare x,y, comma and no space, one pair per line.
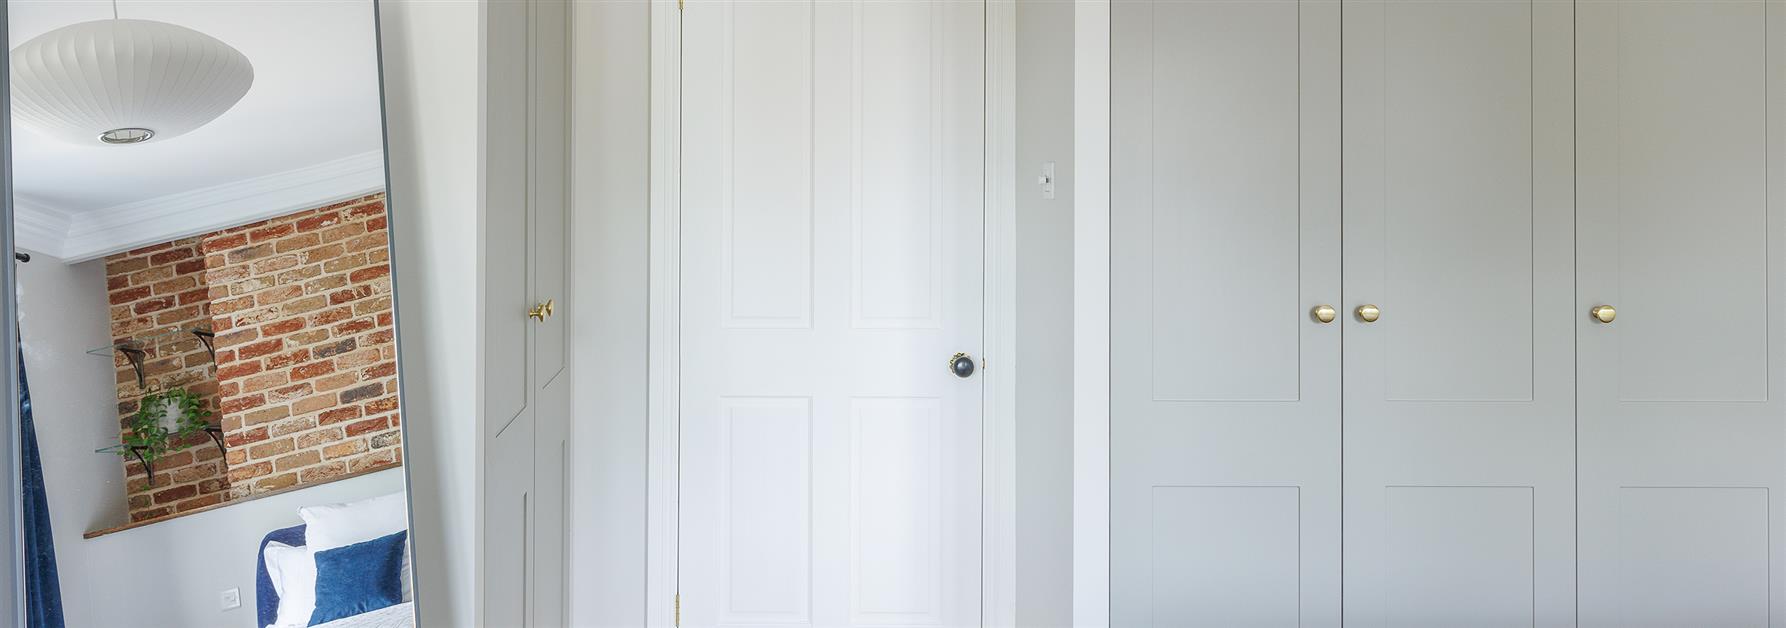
231,598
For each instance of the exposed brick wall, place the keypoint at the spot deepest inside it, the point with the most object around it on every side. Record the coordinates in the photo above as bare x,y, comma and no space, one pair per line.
307,365
304,380
155,290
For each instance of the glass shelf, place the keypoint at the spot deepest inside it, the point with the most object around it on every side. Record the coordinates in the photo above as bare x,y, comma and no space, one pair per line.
155,340
214,431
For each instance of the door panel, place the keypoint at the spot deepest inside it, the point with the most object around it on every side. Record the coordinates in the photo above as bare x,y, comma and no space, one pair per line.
1225,409
1459,400
1682,435
831,238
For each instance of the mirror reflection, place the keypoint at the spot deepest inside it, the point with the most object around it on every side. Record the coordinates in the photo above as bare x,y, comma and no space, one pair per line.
213,431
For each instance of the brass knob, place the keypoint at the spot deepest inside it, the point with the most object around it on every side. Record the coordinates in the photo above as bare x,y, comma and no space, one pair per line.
1323,313
540,311
1603,313
1369,313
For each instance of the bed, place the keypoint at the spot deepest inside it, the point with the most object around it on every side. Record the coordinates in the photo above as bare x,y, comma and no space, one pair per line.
267,598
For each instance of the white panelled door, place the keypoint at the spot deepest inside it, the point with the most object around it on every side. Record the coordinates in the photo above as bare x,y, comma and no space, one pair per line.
1459,396
1682,146
830,259
1225,388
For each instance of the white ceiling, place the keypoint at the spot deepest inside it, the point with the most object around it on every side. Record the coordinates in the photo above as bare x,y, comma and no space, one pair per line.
313,112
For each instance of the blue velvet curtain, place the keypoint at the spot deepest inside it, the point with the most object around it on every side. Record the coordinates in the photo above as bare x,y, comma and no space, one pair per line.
43,590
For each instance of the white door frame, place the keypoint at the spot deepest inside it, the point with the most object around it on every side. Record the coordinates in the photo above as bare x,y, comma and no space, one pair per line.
998,462
1091,314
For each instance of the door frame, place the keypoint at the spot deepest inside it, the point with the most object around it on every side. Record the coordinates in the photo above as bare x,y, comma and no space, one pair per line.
1091,314
998,443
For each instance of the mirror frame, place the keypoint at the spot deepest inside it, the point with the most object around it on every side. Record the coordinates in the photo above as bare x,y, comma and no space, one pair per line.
13,579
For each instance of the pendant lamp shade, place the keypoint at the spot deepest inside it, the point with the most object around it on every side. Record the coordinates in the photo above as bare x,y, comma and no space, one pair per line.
124,81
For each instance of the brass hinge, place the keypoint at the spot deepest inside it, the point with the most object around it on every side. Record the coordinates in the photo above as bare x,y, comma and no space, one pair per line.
679,593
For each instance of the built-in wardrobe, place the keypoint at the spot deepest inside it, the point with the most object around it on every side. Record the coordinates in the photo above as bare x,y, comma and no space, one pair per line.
1448,313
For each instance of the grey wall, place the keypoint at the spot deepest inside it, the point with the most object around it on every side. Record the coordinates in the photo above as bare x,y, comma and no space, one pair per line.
1044,315
431,79
611,101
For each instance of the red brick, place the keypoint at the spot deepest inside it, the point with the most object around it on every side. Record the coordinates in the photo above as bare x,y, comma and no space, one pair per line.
170,256
119,297
176,493
319,221
238,439
282,327
355,326
287,359
240,404
261,348
271,232
338,415
367,426
313,369
224,243
189,267
238,370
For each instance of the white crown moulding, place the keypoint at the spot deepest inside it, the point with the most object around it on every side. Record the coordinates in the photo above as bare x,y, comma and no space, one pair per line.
80,236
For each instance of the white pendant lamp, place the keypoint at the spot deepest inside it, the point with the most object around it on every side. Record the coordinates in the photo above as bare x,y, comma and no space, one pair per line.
124,81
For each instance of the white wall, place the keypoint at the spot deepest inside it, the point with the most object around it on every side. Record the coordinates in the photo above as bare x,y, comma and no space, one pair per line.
431,81
168,574
1044,315
62,313
611,128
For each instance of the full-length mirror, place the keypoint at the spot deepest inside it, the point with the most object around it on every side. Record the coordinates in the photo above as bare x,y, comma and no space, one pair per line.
212,430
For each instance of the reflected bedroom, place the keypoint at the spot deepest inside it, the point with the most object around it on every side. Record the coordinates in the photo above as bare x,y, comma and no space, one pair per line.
213,431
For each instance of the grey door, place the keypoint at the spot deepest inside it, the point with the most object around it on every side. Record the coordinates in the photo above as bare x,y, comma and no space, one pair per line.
1459,397
1225,390
1680,182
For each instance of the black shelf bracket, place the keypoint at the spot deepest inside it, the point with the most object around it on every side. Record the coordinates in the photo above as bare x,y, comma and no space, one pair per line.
136,357
210,339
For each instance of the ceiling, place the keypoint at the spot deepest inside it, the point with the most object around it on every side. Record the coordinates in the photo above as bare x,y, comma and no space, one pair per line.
308,131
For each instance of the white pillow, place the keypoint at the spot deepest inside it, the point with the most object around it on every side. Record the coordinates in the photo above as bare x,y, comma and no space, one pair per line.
293,572
329,526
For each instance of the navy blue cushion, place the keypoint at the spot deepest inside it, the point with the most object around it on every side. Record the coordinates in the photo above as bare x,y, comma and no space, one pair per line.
359,578
266,601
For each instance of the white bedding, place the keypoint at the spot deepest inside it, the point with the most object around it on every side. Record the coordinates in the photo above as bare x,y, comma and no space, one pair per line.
399,616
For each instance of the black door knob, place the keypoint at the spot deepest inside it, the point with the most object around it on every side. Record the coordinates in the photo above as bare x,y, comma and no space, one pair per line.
962,365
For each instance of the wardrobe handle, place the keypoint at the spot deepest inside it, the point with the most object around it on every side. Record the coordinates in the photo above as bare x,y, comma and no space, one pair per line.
1603,313
1369,313
1323,313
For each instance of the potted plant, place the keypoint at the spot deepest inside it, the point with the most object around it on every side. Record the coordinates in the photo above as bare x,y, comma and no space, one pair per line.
163,418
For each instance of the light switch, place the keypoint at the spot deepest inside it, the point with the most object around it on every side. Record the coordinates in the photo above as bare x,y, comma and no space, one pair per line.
1047,181
231,598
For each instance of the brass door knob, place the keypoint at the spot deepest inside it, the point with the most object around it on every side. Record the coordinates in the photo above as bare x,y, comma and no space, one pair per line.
1603,313
540,311
1369,313
1323,313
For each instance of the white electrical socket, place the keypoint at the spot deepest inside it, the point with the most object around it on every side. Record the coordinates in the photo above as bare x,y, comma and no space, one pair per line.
231,598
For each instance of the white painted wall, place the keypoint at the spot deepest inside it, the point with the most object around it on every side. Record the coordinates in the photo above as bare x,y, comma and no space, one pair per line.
167,574
611,126
431,82
1044,315
170,574
62,313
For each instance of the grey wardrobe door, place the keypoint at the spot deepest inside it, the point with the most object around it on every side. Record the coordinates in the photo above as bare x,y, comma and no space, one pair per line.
1683,429
1225,219
1459,398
